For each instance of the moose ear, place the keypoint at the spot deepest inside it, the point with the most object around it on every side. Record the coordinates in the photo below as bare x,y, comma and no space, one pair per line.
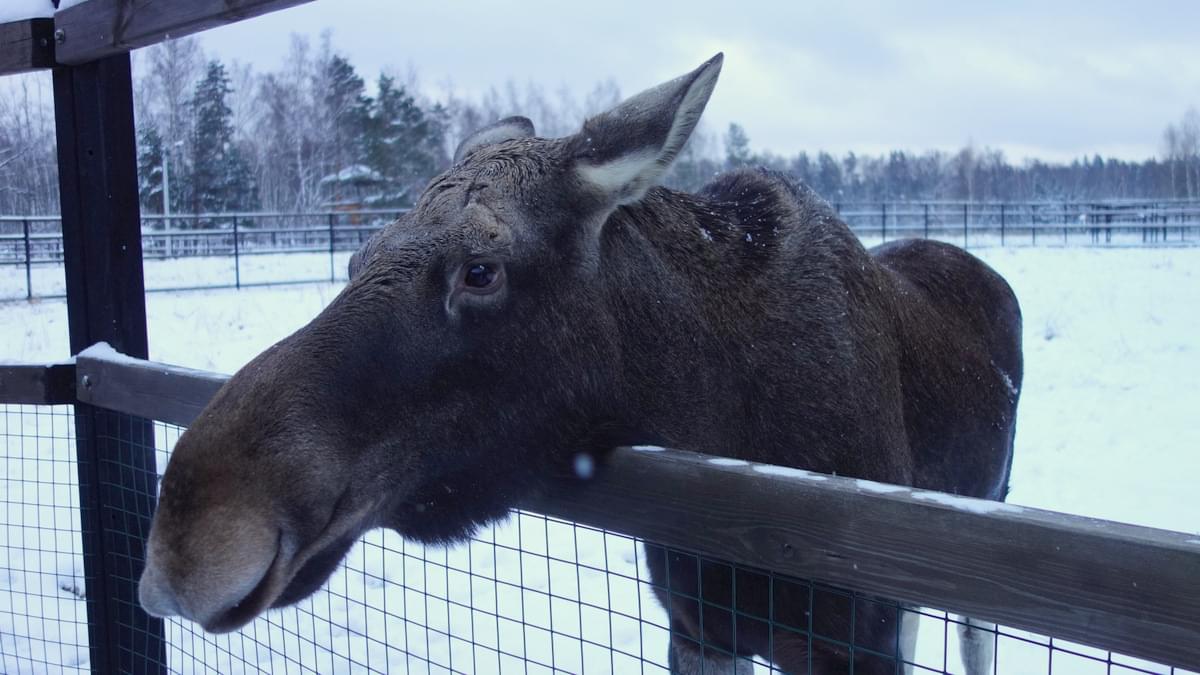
496,132
622,153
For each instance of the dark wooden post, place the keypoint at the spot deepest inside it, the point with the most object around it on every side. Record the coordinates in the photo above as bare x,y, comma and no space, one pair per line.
926,220
883,221
102,253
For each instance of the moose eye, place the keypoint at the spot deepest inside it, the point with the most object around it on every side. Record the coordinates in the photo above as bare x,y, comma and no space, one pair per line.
481,277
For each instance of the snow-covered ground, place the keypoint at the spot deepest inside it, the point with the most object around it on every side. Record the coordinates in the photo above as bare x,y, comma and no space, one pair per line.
1106,428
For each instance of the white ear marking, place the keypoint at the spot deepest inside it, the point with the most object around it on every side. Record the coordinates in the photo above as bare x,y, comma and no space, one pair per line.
624,151
620,175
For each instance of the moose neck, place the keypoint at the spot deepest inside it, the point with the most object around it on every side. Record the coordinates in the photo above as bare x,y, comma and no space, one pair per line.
702,279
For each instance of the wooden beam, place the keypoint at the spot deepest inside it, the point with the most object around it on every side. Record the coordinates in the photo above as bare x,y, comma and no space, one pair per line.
26,45
1129,589
169,393
37,384
1133,590
98,28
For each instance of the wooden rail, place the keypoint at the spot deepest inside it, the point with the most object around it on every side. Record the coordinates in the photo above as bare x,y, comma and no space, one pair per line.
1132,590
37,384
26,45
100,28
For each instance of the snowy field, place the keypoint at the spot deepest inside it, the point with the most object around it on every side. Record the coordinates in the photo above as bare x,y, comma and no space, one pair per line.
1106,428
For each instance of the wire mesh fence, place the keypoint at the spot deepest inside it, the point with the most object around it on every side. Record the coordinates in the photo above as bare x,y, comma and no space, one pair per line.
532,594
43,619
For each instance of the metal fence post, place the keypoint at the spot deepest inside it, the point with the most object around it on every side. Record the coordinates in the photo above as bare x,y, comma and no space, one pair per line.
28,263
1001,223
102,254
965,204
237,267
331,276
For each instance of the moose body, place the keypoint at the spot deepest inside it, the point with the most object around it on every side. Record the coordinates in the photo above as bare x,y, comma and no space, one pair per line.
544,298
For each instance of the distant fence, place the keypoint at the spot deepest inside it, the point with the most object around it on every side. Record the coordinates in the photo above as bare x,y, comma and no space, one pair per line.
31,248
563,586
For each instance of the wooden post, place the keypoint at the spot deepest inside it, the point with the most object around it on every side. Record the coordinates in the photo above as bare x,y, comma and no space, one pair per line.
926,220
883,221
102,254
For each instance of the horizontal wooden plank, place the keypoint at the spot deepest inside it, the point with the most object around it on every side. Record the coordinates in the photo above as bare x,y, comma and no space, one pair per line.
1130,589
26,45
99,28
37,384
152,390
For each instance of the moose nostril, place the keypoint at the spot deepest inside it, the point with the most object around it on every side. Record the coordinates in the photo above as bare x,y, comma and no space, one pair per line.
156,596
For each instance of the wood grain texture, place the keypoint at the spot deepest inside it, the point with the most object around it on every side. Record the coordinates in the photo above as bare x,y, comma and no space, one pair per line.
99,28
26,45
167,393
1130,589
37,384
1133,590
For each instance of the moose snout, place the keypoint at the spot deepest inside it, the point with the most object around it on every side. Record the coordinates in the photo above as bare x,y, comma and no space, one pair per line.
156,595
218,578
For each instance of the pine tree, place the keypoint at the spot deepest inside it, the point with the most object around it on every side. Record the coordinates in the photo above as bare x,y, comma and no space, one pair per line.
150,169
399,142
737,147
220,179
348,110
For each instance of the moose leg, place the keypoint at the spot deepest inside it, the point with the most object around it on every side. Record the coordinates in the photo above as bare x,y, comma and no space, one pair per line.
977,645
688,658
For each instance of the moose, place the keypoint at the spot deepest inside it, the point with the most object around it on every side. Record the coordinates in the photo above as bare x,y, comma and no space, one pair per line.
547,297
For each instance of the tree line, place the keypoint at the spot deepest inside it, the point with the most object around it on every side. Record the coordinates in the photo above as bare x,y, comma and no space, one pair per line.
315,134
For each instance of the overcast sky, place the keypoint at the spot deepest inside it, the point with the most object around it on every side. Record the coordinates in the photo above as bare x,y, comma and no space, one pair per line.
1053,80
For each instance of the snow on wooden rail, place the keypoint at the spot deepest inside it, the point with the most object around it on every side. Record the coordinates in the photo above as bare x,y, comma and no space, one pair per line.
99,28
1129,589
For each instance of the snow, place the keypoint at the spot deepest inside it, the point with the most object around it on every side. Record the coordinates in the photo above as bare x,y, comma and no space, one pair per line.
1106,428
585,466
182,273
355,173
788,472
16,10
964,503
102,351
728,461
879,488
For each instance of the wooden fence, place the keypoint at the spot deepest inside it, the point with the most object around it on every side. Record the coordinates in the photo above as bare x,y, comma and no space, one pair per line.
1118,587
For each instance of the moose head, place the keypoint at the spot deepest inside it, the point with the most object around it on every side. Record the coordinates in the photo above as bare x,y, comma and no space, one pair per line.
480,345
